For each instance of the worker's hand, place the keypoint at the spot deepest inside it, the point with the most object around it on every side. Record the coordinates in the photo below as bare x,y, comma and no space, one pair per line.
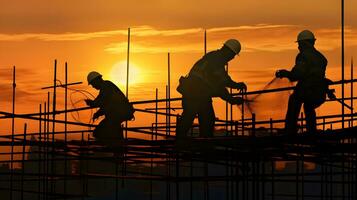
236,100
96,116
241,86
282,73
89,102
331,94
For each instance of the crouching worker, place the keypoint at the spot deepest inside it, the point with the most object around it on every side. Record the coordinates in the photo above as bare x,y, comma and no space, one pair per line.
207,78
116,108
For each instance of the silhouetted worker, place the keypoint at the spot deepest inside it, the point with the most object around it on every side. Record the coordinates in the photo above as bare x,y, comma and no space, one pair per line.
309,71
114,105
207,78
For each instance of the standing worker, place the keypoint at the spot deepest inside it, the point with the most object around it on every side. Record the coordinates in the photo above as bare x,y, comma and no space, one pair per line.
114,105
207,78
309,72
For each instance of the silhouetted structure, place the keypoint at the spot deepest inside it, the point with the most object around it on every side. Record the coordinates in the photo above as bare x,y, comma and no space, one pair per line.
244,164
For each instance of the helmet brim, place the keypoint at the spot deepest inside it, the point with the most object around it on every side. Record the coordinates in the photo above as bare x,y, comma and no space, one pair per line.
90,82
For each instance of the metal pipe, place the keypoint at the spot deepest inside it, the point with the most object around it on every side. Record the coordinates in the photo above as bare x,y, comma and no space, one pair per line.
343,59
231,113
205,42
23,163
45,155
47,148
253,124
12,131
127,78
351,95
166,113
65,126
156,110
127,65
227,133
169,90
40,152
53,167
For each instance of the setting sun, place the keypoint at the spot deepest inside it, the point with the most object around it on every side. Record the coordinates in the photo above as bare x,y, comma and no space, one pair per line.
118,73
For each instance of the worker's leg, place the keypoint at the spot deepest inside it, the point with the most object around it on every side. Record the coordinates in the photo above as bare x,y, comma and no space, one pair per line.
292,114
98,132
206,118
114,132
185,122
115,129
310,115
117,141
109,133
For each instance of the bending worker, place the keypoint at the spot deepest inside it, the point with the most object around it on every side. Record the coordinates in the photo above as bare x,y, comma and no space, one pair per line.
207,78
309,72
113,105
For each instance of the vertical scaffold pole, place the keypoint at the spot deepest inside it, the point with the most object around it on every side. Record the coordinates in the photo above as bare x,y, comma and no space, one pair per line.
23,163
168,92
53,167
12,133
65,128
343,60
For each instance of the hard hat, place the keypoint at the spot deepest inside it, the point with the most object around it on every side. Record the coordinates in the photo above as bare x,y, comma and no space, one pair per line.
234,45
305,35
93,75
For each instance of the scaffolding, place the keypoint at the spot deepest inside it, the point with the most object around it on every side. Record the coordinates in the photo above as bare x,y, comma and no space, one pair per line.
242,162
238,163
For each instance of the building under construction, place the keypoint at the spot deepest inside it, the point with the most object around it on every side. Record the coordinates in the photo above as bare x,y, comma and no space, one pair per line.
241,161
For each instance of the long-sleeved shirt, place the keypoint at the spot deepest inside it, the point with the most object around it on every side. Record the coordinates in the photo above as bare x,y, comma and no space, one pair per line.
309,71
210,69
111,101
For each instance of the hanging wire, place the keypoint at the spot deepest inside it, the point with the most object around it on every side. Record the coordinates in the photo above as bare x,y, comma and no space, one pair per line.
86,94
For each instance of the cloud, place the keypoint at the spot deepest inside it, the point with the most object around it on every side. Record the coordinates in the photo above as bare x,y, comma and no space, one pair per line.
268,38
21,94
191,40
59,37
6,74
255,27
140,31
116,48
146,39
26,89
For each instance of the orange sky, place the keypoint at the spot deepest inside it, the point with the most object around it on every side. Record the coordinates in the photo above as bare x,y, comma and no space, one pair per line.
92,35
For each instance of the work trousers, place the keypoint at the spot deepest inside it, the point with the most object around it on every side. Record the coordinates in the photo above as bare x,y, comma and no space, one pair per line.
109,133
206,117
292,115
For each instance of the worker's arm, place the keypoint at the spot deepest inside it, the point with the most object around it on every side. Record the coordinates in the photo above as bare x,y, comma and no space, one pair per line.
97,114
93,103
230,99
228,82
99,100
297,72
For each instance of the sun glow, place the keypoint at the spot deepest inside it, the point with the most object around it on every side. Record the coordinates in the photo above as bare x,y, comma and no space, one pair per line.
118,73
